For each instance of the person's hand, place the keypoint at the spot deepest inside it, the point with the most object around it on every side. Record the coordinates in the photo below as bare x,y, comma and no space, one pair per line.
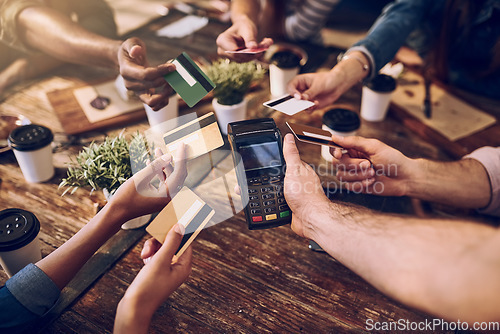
139,77
303,191
322,88
162,274
139,195
371,166
241,35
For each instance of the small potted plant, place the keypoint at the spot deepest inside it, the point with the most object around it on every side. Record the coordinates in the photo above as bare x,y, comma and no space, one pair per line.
105,166
232,81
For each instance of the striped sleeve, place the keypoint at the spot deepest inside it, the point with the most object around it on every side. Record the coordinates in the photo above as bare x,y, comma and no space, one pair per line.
308,18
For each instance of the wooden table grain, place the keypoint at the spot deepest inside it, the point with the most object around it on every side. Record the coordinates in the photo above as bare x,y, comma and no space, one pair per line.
243,281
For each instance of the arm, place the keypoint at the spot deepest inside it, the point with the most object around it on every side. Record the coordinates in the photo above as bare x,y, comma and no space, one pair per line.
376,168
365,58
62,264
56,35
245,15
391,29
308,19
448,268
157,280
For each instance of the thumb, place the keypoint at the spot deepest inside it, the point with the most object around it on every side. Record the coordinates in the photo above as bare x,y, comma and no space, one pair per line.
136,50
291,154
171,243
363,145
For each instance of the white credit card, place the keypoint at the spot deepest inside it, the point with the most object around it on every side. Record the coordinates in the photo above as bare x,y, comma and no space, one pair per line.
288,104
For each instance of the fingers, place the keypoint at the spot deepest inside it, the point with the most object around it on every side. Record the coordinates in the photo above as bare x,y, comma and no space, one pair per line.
149,249
157,101
365,146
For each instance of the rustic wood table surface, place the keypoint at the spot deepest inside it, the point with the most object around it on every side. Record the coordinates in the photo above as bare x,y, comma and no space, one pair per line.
243,281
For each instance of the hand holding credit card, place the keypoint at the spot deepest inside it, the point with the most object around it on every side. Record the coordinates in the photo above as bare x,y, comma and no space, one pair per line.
288,104
185,208
312,135
200,136
188,80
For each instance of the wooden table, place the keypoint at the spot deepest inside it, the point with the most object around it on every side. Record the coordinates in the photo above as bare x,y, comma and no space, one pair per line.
242,281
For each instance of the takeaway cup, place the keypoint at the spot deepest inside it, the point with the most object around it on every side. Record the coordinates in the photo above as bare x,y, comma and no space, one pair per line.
170,111
341,122
285,65
376,96
18,240
32,147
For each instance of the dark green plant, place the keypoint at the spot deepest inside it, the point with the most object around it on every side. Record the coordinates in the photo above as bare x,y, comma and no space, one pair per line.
232,80
107,165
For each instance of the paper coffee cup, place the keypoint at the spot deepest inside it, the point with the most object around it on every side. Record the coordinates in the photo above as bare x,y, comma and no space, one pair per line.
285,65
340,122
170,111
279,79
32,147
376,96
18,240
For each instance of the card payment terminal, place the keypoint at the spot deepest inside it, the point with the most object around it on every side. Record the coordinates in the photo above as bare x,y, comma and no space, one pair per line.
258,144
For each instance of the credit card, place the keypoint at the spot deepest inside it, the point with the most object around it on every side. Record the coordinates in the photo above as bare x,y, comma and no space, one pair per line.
185,208
312,135
188,80
288,104
249,51
200,136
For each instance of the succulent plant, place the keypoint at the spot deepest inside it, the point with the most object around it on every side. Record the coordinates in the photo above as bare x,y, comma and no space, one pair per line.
108,164
233,80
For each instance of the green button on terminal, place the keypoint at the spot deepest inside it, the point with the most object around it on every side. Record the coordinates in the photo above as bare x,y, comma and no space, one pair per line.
284,214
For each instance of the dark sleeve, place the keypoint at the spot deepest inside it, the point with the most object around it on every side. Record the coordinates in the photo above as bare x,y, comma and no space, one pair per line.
26,296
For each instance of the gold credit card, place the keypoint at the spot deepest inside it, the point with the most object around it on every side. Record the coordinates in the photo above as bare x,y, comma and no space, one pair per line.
185,208
200,136
312,135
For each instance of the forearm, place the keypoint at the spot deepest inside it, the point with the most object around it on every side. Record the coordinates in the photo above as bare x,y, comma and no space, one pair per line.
131,318
63,263
435,265
245,9
461,183
53,33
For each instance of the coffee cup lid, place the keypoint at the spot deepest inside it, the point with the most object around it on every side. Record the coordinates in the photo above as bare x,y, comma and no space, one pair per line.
286,59
341,120
382,83
17,229
30,137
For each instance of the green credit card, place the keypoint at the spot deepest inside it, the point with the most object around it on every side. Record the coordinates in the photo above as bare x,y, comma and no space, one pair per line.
188,80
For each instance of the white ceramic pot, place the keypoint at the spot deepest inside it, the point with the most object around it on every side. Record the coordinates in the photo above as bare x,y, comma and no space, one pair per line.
227,114
133,223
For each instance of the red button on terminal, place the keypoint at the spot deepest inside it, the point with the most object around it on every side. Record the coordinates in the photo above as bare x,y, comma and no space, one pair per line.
257,219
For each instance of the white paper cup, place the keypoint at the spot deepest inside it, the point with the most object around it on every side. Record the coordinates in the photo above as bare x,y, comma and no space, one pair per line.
376,97
228,114
279,79
170,111
340,122
32,147
18,240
